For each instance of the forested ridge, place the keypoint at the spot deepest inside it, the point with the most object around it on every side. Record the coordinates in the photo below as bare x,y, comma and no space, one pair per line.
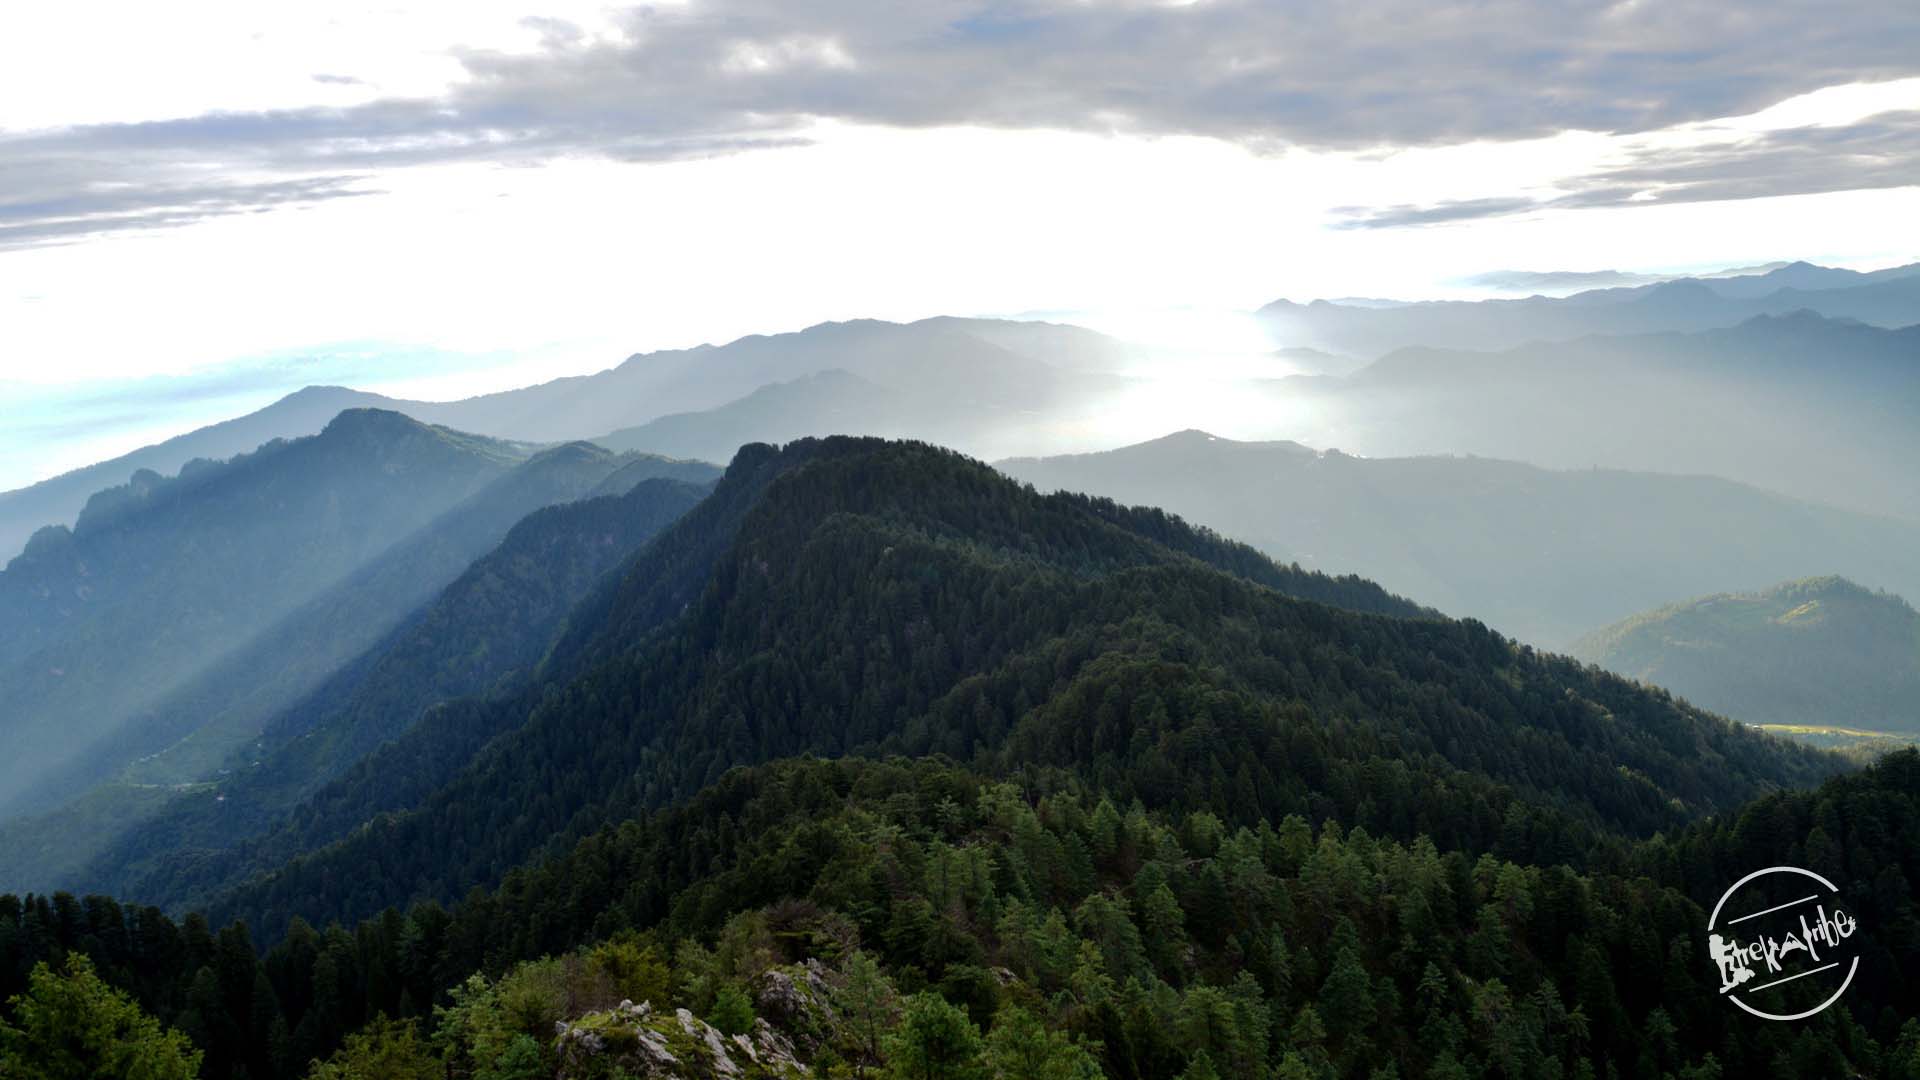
934,774
896,598
1816,652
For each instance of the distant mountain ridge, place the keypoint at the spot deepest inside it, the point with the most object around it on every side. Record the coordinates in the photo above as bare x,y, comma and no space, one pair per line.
1537,553
991,387
1817,652
1887,298
1760,402
642,388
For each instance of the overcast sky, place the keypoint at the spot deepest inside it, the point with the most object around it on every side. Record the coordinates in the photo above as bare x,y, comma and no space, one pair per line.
206,202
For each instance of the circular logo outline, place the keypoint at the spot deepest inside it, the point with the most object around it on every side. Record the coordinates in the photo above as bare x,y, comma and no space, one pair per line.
1714,919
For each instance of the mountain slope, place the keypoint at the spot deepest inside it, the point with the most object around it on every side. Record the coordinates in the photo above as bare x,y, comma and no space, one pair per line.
1821,652
1085,939
892,598
158,580
485,632
1540,554
821,403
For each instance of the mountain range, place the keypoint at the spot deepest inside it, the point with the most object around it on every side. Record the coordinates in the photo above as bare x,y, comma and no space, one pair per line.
863,597
872,699
162,632
1761,403
986,363
1200,757
1000,388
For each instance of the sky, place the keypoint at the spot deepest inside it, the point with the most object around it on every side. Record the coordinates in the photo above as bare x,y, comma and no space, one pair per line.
206,204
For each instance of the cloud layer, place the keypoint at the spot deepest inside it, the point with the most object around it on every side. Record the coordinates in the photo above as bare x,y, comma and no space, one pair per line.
1882,151
718,76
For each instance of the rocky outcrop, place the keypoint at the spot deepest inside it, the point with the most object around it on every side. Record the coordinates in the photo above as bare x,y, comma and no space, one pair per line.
671,1046
800,1001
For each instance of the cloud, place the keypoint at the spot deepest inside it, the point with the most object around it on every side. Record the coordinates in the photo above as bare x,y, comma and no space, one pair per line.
722,76
47,218
1360,73
1386,217
1882,151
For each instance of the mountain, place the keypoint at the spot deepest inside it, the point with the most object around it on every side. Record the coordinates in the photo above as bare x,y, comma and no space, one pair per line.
938,380
160,580
484,633
1805,277
875,750
1821,409
1888,298
979,355
823,402
1820,652
990,361
1537,553
56,501
861,597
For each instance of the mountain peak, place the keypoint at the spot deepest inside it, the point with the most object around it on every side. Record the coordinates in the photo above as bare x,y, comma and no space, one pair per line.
1189,435
371,420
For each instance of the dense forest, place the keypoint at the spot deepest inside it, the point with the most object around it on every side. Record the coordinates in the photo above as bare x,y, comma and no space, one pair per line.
875,760
884,912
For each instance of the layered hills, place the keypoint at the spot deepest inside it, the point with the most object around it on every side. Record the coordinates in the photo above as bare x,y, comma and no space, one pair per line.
974,357
860,597
1758,403
1886,298
1542,554
179,616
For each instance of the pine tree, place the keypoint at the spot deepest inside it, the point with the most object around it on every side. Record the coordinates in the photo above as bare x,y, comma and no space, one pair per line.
73,1026
1020,1048
935,1041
